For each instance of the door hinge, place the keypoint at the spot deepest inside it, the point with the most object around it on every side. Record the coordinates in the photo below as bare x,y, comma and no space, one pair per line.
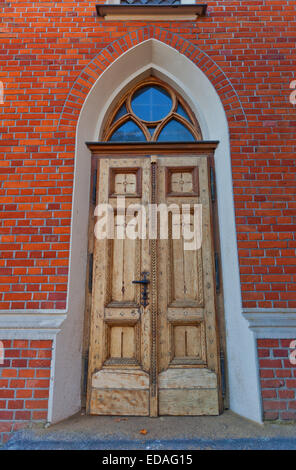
223,377
213,184
94,187
217,272
90,272
85,372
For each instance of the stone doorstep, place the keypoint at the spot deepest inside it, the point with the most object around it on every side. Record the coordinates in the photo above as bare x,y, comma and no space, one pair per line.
227,431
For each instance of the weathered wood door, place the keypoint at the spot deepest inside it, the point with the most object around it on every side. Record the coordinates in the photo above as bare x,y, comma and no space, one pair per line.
159,355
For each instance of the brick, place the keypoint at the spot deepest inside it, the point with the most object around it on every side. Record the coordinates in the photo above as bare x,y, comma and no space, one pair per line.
280,353
39,415
19,363
291,383
283,373
15,404
7,393
5,415
12,353
267,343
272,383
285,343
23,393
3,383
271,415
20,343
266,373
17,383
6,343
29,353
44,373
36,404
5,427
263,352
269,394
39,363
288,415
38,383
288,365
44,353
270,363
9,372
41,393
286,394
274,405
22,415
29,373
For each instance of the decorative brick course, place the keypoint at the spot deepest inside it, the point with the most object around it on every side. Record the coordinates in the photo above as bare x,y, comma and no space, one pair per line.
24,384
278,379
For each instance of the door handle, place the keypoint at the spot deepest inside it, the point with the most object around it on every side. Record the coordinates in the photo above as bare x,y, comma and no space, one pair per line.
144,291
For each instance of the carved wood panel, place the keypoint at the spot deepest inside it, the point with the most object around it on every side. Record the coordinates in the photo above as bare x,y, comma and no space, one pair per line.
145,358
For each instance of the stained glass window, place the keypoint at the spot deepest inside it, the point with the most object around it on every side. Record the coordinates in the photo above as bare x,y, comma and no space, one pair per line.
151,103
128,132
152,112
174,131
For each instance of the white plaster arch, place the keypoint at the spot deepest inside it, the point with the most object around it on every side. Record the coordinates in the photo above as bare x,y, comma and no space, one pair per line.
182,74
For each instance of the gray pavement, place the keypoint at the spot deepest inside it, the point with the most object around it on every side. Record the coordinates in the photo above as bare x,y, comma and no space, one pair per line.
227,431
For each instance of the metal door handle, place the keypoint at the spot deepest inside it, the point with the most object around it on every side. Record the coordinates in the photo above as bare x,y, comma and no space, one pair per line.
144,292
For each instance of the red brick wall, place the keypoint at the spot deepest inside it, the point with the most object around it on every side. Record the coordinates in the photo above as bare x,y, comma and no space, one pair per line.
278,379
24,384
246,48
44,49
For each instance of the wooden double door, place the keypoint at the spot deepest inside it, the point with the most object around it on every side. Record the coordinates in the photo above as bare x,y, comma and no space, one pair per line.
154,343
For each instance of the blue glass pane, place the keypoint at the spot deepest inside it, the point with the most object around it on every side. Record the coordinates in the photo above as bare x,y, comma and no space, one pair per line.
128,132
121,112
182,112
151,103
174,131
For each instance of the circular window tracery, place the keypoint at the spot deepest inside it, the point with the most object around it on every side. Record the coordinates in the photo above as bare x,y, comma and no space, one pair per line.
152,112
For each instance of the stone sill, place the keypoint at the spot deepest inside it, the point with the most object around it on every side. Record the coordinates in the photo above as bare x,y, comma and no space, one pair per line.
151,12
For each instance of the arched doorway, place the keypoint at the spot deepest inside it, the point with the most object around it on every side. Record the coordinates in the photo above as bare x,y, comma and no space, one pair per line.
153,55
154,341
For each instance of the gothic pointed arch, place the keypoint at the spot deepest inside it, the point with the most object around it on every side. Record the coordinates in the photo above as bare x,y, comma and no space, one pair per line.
215,102
151,111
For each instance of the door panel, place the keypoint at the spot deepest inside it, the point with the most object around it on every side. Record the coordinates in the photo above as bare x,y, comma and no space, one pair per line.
120,330
163,358
188,346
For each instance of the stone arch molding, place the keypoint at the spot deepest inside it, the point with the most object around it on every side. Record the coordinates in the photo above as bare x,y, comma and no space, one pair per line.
93,96
87,78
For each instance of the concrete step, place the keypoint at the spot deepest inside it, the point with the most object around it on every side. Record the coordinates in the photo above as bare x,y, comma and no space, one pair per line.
28,440
227,431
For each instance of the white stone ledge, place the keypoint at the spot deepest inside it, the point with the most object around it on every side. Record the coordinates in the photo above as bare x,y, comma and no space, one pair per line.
30,325
272,323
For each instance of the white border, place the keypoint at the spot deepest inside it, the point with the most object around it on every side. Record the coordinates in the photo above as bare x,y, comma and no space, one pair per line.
272,323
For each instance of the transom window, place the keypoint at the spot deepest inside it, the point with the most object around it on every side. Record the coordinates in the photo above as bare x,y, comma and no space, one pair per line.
153,112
